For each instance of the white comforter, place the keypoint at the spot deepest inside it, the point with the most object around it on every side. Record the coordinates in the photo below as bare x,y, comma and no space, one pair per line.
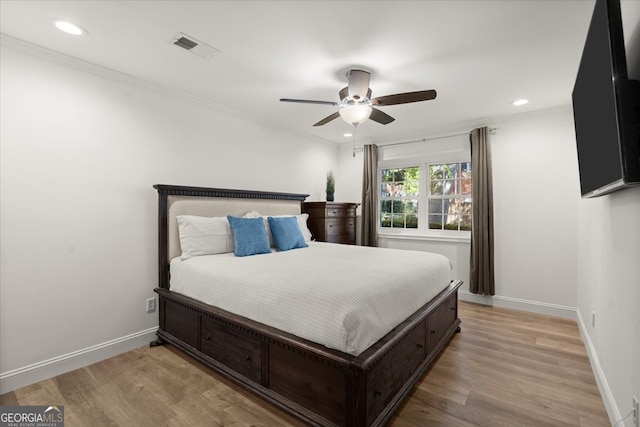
343,297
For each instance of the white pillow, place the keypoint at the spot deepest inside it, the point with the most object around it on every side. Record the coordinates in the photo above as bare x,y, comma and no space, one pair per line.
201,235
302,223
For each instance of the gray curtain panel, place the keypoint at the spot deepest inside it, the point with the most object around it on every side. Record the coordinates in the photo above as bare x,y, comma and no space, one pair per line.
370,196
481,272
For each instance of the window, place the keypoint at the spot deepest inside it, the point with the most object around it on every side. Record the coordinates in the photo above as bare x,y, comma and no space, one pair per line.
449,196
400,190
445,197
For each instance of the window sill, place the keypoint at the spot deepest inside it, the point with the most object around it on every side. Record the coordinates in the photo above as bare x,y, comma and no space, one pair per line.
447,238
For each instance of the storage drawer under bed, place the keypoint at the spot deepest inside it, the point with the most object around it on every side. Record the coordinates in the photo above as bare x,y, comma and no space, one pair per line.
232,346
440,320
391,373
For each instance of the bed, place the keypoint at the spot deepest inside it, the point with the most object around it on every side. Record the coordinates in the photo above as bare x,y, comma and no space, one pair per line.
341,379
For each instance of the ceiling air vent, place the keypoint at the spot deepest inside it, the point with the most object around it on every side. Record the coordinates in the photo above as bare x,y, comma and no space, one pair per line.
195,46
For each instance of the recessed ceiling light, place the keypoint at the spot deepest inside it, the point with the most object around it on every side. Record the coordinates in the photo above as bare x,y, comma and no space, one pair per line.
519,102
70,28
347,135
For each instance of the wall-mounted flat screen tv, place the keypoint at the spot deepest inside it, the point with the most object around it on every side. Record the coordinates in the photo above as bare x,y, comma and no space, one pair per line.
606,108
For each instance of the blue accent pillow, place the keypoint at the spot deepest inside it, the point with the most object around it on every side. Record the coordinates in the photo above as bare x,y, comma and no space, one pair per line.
249,236
286,233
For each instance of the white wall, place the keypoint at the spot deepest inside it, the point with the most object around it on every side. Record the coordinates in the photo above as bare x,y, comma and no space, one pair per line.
349,174
78,220
457,252
609,285
609,272
536,194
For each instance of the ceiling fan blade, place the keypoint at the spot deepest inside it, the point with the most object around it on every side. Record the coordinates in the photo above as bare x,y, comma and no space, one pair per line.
404,98
307,101
380,117
358,84
328,119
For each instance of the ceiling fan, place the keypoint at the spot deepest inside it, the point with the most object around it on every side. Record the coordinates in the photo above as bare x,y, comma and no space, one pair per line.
356,104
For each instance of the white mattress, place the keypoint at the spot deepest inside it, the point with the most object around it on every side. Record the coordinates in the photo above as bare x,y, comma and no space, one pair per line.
343,297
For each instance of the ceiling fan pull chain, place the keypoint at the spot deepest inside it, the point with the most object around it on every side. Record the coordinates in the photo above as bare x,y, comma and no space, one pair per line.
354,138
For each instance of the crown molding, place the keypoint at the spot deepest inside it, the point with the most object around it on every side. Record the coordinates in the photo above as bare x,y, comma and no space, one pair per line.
145,85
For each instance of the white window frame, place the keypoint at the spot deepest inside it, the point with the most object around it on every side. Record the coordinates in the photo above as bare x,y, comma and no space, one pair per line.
422,232
444,196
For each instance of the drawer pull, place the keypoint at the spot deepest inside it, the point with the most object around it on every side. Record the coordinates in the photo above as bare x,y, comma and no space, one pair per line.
453,309
378,393
420,346
208,338
248,359
433,332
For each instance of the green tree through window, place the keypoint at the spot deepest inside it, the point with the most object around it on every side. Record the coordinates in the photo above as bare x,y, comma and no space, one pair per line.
449,196
399,192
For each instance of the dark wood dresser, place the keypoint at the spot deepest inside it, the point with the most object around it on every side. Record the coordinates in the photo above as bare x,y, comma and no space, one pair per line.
333,222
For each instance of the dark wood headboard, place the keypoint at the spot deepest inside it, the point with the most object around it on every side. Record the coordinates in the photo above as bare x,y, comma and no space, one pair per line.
167,193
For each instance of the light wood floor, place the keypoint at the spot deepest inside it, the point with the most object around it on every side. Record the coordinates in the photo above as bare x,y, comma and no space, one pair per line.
506,368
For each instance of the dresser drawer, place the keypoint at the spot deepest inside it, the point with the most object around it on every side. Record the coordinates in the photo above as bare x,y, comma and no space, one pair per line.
388,376
335,226
440,321
233,347
340,211
345,239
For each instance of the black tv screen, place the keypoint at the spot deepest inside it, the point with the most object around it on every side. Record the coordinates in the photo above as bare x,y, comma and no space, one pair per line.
606,108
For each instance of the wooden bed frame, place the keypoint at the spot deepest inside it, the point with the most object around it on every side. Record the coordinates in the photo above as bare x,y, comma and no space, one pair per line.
318,385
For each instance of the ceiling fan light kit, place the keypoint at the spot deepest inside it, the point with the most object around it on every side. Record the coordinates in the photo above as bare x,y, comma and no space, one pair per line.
355,114
356,104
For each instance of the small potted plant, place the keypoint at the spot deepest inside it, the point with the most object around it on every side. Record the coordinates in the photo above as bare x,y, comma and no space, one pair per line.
331,186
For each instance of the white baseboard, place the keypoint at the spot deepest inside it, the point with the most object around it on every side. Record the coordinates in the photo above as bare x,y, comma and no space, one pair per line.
519,304
598,373
30,374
